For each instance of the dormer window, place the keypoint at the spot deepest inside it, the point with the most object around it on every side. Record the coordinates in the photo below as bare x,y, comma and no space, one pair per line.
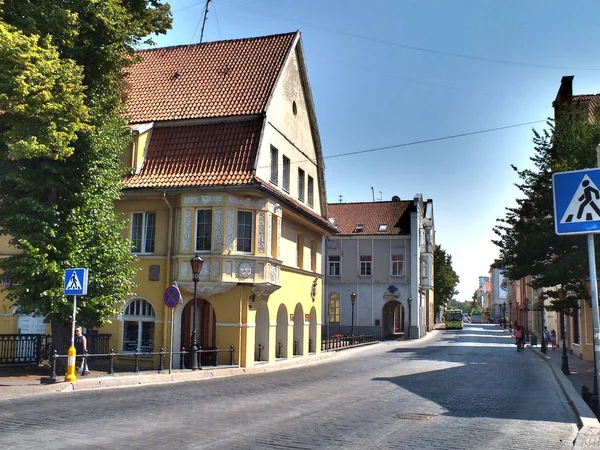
383,228
359,228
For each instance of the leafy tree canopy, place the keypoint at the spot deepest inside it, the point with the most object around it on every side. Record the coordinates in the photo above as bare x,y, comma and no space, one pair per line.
445,278
526,237
60,169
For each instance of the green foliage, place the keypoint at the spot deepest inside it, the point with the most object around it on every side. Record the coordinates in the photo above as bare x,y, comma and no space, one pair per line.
58,205
445,278
41,98
526,237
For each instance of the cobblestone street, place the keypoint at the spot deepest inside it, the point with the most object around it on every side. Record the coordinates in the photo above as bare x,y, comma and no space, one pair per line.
454,389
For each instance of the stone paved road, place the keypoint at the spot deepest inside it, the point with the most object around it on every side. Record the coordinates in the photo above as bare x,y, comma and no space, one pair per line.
459,390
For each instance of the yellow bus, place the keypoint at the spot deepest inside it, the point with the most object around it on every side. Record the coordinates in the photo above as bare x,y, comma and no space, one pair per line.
454,319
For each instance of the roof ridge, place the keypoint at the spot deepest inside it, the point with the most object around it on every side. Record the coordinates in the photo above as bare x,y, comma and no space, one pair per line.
253,38
368,203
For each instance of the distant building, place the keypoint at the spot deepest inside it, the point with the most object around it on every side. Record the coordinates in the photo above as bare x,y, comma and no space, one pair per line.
382,252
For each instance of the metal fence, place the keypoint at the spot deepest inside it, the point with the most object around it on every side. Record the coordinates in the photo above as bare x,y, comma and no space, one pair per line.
24,348
201,355
339,341
35,348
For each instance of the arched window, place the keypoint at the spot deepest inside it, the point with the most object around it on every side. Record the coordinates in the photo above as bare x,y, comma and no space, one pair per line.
138,326
334,308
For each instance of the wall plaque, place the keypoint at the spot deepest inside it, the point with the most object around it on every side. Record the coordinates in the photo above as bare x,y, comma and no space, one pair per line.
154,272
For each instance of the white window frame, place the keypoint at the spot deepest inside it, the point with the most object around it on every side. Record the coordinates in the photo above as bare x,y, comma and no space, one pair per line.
365,265
334,264
143,249
333,308
285,175
251,232
301,184
198,250
140,311
393,264
274,175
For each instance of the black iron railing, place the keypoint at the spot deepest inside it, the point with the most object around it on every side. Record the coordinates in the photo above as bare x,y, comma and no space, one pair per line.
24,348
147,357
339,341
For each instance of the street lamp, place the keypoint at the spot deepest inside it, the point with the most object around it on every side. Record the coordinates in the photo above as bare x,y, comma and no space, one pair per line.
510,313
565,360
409,300
352,300
504,316
595,400
541,303
196,263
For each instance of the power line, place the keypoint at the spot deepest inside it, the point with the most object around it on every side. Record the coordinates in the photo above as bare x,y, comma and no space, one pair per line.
413,47
425,141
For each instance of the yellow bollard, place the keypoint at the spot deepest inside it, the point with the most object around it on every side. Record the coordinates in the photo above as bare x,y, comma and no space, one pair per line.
71,365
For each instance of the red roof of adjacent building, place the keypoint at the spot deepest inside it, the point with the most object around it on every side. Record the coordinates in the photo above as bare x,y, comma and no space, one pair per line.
592,101
347,217
210,154
214,79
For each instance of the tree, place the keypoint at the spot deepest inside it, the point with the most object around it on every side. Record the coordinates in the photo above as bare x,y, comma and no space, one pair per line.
526,237
60,167
445,278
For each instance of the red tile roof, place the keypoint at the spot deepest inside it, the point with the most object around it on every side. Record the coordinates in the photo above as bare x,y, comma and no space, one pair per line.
346,216
213,154
592,101
214,79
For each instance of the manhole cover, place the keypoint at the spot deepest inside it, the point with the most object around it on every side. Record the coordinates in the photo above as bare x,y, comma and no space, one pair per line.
415,416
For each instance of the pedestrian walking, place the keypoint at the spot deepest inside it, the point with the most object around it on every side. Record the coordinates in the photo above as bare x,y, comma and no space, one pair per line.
519,337
553,339
546,336
80,343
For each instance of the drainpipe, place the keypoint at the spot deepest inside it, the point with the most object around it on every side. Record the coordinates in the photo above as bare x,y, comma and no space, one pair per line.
166,315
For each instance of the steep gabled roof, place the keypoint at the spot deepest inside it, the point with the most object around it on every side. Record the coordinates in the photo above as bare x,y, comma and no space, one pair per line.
208,154
347,217
214,79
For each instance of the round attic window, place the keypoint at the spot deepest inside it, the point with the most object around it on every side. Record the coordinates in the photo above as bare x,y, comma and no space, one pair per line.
294,107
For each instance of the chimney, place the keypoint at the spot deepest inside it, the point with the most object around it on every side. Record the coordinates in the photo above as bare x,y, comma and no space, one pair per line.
565,92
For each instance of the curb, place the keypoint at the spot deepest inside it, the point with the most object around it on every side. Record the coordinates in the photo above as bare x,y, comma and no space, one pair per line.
588,435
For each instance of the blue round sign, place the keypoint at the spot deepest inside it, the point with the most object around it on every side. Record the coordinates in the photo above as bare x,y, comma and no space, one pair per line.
172,296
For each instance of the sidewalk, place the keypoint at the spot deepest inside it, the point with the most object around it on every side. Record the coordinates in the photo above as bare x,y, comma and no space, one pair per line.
19,383
581,373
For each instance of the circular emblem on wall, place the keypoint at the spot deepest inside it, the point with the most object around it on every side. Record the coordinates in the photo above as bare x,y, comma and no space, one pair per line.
504,284
244,270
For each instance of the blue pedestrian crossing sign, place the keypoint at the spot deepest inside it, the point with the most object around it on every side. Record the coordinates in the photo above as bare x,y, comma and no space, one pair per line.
576,201
76,281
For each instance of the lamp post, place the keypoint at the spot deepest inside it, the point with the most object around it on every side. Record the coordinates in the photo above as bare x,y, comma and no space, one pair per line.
352,300
409,300
196,263
510,313
504,316
541,303
526,309
595,325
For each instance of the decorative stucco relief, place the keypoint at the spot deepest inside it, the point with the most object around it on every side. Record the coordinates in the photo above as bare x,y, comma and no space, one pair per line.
205,268
247,202
190,200
206,290
228,268
269,234
187,229
261,232
273,274
217,269
278,237
218,247
261,271
177,230
264,290
184,268
230,218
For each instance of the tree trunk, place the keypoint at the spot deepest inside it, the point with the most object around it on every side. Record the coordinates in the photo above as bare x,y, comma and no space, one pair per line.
61,340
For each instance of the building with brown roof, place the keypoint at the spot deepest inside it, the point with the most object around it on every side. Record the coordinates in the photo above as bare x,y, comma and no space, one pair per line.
383,253
226,164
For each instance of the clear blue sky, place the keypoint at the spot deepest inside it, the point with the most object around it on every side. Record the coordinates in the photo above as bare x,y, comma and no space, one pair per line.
371,91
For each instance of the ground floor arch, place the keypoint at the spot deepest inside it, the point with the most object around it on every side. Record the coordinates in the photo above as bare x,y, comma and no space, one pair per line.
281,333
206,328
261,332
393,318
298,330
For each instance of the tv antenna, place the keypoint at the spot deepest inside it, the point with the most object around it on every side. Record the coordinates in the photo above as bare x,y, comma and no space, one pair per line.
204,21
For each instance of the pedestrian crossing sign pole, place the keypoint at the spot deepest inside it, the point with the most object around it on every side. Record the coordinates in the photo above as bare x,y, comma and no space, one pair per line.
577,211
76,281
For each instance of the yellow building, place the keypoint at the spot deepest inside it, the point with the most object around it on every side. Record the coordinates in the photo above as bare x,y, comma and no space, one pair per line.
226,163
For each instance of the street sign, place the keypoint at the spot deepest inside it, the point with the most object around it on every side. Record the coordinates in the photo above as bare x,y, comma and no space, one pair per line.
76,281
576,201
172,296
